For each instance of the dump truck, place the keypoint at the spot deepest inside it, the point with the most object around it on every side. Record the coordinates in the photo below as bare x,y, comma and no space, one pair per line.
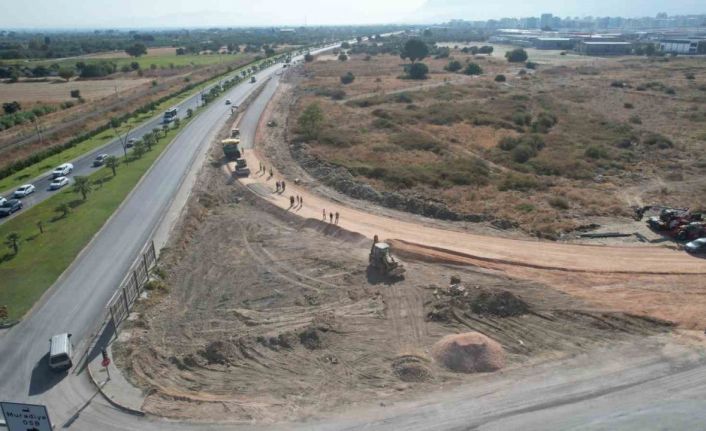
381,260
231,149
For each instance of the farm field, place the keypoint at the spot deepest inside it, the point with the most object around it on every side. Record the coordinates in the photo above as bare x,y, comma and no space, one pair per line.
57,90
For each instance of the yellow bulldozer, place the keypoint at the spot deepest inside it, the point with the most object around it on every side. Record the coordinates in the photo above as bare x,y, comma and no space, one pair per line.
382,261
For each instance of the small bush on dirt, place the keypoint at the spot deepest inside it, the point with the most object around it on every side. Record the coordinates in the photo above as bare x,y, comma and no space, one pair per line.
519,182
525,208
558,202
454,66
402,98
657,140
522,118
417,71
544,122
689,76
473,69
417,142
156,285
618,84
500,78
310,121
628,105
347,78
522,153
634,119
596,152
518,55
531,65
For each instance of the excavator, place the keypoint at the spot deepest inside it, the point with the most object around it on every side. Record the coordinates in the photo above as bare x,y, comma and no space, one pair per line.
382,261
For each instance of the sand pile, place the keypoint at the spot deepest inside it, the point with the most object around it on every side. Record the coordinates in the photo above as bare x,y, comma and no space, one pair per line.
470,352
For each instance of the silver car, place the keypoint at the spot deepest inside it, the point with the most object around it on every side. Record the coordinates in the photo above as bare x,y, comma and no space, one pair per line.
24,190
696,246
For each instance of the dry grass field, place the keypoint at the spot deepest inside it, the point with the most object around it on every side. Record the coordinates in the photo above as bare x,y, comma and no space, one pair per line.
549,149
57,90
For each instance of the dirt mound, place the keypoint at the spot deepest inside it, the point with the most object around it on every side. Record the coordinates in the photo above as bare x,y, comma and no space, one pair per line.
218,352
411,368
312,337
334,231
501,304
471,352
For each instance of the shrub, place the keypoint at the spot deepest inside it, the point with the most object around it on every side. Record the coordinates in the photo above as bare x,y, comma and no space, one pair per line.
518,55
690,76
342,57
660,141
518,182
558,202
310,121
522,118
628,105
596,152
531,65
634,119
473,69
500,78
416,142
403,98
544,122
525,208
347,78
338,94
454,66
417,71
522,153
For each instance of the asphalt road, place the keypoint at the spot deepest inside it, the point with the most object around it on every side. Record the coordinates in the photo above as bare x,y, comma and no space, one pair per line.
653,385
83,165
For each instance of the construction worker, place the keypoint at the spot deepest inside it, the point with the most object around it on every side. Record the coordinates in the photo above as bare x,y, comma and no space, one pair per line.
291,201
276,186
330,217
283,186
324,214
336,217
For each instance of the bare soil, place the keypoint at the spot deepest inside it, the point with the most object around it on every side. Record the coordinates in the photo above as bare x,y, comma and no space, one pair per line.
56,91
266,316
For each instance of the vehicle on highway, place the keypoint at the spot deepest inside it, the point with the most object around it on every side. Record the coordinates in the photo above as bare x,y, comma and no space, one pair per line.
170,115
24,190
253,80
60,352
62,170
98,161
697,246
228,102
2,200
58,183
131,142
10,206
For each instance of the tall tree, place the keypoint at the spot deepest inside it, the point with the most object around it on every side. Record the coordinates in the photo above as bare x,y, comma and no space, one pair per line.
136,50
67,73
414,50
82,185
310,121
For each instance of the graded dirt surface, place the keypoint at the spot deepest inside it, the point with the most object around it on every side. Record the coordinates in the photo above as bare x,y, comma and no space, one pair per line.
266,316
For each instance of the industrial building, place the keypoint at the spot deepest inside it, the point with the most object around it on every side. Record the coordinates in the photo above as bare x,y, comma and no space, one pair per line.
604,48
560,43
683,46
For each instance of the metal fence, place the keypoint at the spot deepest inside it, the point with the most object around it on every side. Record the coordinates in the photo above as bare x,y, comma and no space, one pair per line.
131,287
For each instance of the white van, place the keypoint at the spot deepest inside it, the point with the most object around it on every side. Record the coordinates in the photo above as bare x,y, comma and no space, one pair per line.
60,352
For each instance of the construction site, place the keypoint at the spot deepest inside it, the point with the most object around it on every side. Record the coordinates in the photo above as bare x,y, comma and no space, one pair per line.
265,307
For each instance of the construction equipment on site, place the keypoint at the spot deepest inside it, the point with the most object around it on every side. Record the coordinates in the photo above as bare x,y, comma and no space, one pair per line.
671,219
235,133
691,231
382,261
241,168
231,149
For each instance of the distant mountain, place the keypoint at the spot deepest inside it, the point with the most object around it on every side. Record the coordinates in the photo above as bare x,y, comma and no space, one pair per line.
444,10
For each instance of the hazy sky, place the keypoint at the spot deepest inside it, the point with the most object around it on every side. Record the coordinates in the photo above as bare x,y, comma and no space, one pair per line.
204,13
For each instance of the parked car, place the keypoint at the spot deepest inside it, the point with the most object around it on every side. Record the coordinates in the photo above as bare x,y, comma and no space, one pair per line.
100,160
696,246
131,142
24,190
2,201
62,170
58,183
227,101
10,207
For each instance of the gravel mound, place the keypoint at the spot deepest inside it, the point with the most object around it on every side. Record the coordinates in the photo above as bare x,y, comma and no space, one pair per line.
470,352
410,368
501,304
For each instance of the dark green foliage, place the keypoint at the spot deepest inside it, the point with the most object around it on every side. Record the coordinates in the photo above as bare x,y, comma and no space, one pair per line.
520,182
518,55
347,78
558,202
136,50
657,140
414,50
454,66
418,71
544,122
310,121
473,69
500,78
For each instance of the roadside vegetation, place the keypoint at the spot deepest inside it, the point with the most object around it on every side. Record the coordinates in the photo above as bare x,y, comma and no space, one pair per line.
491,131
41,242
